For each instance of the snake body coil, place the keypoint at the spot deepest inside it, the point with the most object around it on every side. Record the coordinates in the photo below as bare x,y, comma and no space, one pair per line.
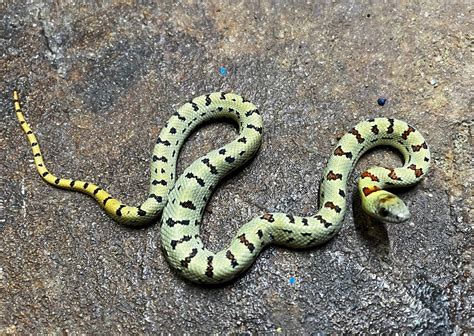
182,203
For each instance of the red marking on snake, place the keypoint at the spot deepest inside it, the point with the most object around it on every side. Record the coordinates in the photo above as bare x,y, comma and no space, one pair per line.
390,127
393,175
369,175
333,206
339,152
369,190
268,217
332,176
418,171
417,148
358,136
245,241
407,132
375,129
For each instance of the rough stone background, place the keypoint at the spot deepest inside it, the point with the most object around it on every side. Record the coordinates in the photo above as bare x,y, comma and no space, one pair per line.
98,82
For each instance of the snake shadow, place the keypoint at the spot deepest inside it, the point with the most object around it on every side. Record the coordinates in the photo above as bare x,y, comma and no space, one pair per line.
371,232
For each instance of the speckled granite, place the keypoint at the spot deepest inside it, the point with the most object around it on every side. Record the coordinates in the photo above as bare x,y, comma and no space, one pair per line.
99,81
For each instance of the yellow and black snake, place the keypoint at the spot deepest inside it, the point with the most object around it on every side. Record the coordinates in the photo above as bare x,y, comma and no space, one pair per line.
181,202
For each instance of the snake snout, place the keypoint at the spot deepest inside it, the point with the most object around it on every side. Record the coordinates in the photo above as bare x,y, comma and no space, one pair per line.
392,209
401,216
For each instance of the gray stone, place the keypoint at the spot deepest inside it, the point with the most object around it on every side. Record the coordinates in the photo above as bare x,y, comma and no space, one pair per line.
99,81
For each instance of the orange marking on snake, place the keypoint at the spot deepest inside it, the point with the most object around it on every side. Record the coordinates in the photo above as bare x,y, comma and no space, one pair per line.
371,176
369,190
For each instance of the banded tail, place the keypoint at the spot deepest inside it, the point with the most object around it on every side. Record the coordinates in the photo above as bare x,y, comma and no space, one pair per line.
113,207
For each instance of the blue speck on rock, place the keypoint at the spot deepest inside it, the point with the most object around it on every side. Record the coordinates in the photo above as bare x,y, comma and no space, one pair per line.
292,280
223,71
381,101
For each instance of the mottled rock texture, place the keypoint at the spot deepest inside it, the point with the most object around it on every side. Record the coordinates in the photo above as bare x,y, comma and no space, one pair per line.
99,81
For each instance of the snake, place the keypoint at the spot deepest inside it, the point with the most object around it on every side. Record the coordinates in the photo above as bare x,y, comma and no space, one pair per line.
179,201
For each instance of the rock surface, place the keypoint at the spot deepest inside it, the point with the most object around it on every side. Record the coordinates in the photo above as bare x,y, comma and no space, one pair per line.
98,82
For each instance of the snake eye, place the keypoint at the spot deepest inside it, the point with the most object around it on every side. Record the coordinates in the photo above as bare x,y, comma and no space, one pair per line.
383,212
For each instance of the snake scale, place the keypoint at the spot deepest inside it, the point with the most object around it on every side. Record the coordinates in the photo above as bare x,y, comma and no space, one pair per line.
181,200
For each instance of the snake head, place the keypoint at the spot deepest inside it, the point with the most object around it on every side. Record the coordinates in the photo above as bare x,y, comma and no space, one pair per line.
386,207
